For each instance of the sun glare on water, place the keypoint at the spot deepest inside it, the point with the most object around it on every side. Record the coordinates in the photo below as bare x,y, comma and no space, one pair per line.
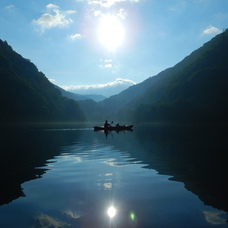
111,212
111,32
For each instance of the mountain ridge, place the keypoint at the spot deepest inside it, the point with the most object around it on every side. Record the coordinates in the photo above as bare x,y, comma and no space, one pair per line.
193,90
80,97
27,95
196,86
181,88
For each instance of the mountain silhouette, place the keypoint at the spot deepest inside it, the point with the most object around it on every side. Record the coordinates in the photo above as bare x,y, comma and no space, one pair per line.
194,90
27,95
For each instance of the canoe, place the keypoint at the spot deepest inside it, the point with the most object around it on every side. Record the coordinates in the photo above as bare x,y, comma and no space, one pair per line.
113,128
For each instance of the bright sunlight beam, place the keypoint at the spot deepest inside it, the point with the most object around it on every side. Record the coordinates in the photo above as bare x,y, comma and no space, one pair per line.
111,32
111,212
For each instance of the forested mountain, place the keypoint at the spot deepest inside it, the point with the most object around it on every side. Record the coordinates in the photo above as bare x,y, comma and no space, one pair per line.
27,95
194,90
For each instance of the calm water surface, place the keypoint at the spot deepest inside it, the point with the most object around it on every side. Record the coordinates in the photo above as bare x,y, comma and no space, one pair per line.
81,178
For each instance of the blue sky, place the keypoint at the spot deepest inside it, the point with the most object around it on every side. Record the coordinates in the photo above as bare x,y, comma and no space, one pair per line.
100,42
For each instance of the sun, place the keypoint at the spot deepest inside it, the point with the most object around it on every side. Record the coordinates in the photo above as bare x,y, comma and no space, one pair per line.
111,32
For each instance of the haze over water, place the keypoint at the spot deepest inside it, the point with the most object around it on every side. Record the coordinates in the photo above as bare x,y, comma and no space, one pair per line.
81,178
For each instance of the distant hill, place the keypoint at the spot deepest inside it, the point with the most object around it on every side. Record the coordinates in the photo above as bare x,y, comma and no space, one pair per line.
27,95
94,97
194,90
80,97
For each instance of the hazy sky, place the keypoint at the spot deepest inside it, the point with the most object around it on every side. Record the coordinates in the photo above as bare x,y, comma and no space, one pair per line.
88,42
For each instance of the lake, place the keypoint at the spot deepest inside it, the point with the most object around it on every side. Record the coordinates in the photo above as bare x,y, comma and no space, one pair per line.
154,176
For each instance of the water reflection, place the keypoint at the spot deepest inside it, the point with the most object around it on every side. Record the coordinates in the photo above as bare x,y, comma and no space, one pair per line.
111,212
24,150
43,221
215,218
84,172
105,181
194,155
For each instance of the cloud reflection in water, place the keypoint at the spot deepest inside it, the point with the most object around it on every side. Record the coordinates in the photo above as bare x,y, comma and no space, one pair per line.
45,221
214,218
72,214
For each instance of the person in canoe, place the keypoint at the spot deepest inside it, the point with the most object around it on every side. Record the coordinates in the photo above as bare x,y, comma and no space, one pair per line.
106,124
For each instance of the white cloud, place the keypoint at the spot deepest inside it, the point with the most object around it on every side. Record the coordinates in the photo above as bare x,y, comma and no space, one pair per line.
109,65
107,60
51,80
106,63
53,18
122,13
212,30
96,13
107,89
75,36
52,6
107,3
118,81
